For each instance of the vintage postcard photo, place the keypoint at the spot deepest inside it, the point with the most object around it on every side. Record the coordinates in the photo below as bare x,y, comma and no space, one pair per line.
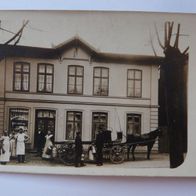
96,93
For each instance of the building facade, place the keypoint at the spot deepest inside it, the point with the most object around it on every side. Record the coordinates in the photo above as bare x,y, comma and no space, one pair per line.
73,87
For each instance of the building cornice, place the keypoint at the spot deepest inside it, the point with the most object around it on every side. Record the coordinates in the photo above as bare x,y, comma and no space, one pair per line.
71,95
80,103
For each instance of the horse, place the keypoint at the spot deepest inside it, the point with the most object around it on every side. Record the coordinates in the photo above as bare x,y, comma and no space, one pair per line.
147,139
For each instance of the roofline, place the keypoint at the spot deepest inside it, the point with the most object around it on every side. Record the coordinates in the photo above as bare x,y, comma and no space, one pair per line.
95,55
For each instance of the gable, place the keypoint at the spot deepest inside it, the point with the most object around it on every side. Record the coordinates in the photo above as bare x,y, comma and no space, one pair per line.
75,53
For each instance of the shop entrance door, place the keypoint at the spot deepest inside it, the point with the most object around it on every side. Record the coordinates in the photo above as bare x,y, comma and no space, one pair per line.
44,121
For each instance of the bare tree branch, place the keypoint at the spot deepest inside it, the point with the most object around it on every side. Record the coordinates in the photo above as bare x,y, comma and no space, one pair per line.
185,51
170,32
3,29
17,34
165,37
156,30
177,37
151,43
18,39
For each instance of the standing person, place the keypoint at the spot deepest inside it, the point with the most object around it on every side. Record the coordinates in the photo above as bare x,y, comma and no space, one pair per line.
92,152
21,138
13,144
99,147
78,150
47,152
40,142
5,150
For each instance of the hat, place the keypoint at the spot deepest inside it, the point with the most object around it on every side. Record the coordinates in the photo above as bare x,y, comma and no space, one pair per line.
78,133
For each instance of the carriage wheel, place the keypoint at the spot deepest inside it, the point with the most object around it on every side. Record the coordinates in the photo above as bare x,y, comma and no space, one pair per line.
67,154
117,154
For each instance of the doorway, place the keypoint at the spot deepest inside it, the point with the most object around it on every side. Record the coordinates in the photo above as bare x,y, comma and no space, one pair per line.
44,121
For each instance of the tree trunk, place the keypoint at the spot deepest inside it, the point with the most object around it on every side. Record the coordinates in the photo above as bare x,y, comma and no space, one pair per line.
174,71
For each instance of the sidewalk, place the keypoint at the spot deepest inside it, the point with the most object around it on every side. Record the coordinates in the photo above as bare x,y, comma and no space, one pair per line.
156,161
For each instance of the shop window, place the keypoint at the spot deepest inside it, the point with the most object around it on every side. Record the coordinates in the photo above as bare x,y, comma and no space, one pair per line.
18,118
134,124
74,124
99,119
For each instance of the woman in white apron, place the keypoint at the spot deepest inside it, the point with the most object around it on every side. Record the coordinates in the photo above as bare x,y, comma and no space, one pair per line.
21,138
47,152
91,153
5,150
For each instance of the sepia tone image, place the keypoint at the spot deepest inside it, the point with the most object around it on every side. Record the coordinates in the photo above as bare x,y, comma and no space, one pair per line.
93,92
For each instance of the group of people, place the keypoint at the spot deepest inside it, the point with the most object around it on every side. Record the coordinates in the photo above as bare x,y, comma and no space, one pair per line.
13,145
95,150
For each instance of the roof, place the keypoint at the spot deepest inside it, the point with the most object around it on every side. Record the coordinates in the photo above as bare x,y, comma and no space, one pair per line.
56,52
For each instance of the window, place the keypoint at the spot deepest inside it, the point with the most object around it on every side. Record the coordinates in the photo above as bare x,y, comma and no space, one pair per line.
98,119
100,81
75,79
21,76
18,118
74,124
45,78
134,124
134,83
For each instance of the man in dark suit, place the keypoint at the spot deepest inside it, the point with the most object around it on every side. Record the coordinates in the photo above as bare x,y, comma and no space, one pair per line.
99,147
40,142
78,150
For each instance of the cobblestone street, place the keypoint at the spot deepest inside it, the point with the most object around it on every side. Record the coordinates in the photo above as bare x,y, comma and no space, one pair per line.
156,161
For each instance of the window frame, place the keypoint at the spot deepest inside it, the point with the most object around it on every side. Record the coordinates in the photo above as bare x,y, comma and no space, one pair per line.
100,113
21,74
10,110
45,74
140,123
74,112
75,79
134,79
101,77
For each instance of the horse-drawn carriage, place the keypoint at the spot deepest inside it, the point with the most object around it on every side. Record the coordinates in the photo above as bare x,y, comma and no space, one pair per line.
115,151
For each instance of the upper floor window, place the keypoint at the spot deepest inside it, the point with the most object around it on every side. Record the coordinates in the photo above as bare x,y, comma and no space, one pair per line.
21,76
134,83
101,81
75,79
45,78
134,124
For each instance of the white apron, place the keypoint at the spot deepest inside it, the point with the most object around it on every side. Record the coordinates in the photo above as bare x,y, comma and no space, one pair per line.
48,144
20,144
5,157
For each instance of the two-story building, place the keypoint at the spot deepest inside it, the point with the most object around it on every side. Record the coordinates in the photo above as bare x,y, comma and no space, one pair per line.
74,87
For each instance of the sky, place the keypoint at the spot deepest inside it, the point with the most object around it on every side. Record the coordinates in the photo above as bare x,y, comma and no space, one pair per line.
115,32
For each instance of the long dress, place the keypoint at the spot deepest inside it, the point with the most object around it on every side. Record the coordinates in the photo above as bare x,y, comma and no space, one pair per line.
20,144
5,157
48,144
91,153
12,145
